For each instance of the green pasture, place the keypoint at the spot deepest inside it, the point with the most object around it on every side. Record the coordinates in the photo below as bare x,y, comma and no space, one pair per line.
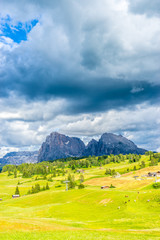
89,213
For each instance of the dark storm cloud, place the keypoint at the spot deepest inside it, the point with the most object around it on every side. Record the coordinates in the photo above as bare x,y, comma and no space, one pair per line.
82,58
83,93
113,95
76,51
150,8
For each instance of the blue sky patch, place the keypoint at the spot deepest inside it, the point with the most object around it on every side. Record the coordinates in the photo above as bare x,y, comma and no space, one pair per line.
16,32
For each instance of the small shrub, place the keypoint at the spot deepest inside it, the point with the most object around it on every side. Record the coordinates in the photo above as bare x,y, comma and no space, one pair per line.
45,177
47,186
50,179
156,185
29,192
81,178
57,186
81,186
9,173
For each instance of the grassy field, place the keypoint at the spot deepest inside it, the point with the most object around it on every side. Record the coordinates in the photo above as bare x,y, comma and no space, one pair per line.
129,211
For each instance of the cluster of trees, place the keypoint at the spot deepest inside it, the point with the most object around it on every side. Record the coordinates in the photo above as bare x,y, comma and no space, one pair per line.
156,185
34,189
110,172
142,165
72,183
28,169
37,188
134,158
154,158
103,160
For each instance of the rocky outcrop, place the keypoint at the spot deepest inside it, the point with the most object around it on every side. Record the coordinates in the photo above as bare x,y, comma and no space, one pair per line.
60,146
92,148
110,143
19,158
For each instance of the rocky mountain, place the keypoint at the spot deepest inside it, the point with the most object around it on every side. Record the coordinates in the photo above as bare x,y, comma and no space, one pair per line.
110,143
92,148
60,146
19,158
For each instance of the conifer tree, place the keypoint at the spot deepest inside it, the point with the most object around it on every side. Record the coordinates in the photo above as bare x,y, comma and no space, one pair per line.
15,173
17,191
81,178
47,186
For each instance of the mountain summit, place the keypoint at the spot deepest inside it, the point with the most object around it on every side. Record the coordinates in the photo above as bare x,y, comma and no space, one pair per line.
60,146
110,143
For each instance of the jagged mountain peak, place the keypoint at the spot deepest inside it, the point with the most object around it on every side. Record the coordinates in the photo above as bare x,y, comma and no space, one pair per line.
92,142
110,138
61,146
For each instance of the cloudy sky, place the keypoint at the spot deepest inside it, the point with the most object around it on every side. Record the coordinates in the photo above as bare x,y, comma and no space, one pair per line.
82,68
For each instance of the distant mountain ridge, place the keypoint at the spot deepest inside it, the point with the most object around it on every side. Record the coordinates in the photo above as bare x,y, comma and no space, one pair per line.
60,146
19,157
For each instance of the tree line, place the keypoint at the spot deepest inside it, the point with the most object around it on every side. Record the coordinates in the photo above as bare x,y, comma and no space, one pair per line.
59,168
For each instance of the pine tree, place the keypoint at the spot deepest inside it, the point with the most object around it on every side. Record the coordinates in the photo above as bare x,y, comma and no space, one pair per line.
142,164
72,182
29,192
81,178
81,186
47,186
15,173
17,191
37,188
33,190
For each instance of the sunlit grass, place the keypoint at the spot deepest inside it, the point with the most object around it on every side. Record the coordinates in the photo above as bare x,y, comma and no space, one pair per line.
89,213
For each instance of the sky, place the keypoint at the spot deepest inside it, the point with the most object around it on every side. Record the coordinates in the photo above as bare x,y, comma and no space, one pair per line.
81,68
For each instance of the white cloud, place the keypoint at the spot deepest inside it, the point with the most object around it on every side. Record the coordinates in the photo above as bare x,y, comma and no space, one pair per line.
5,150
136,90
33,122
123,43
77,39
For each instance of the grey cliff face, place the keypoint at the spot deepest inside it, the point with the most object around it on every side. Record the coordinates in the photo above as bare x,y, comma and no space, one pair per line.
115,144
60,146
92,148
17,158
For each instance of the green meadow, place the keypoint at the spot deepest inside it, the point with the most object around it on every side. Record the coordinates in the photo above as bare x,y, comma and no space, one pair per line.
131,210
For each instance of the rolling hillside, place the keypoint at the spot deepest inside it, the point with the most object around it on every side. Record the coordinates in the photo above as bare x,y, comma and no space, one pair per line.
129,211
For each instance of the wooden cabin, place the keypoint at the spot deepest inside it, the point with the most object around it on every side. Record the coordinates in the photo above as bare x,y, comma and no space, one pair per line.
16,196
103,187
80,171
152,174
